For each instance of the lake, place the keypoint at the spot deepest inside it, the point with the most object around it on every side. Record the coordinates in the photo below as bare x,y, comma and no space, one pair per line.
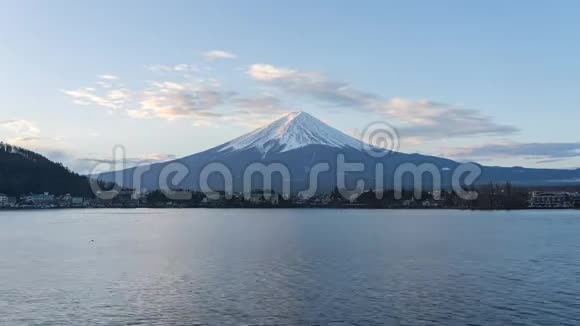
289,267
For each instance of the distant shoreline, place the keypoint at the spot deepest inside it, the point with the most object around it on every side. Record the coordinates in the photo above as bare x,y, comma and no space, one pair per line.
286,207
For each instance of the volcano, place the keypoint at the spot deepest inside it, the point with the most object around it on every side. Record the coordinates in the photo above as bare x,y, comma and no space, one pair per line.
299,142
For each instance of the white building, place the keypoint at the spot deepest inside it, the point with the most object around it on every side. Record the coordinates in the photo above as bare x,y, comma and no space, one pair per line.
540,199
3,200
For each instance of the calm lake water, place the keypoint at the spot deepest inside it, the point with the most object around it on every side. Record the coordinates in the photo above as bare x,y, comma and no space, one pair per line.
289,267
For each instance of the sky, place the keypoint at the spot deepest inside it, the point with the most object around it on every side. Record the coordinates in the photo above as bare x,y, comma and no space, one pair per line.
496,82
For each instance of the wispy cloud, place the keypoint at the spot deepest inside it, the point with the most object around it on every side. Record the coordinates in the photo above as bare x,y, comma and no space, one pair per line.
218,54
178,68
112,99
418,119
425,119
108,77
204,101
32,140
167,100
170,100
20,127
541,152
136,160
311,84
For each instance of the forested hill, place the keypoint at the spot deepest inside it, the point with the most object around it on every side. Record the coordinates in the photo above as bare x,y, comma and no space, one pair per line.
23,171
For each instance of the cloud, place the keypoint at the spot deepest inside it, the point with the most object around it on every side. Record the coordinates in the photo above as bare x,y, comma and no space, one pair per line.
419,119
204,101
136,160
26,139
425,119
167,100
170,100
32,140
20,127
182,67
113,99
218,54
140,114
109,77
311,84
544,152
265,72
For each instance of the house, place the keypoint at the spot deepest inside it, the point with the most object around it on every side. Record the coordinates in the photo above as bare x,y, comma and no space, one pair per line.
3,200
540,199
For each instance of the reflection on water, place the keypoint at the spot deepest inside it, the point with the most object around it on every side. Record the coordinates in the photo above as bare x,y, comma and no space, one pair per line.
289,267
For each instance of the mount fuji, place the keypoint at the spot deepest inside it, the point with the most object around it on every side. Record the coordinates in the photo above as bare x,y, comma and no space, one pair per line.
300,141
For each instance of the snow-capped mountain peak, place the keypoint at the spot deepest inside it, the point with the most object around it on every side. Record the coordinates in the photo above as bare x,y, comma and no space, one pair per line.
291,131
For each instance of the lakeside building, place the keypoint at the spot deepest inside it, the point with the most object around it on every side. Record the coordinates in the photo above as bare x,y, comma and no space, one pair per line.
540,199
3,200
44,200
41,200
69,201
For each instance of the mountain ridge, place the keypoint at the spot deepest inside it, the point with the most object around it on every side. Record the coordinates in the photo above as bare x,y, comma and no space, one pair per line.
23,171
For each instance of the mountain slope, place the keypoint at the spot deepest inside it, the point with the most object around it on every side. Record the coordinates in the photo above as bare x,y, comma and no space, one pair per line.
300,141
23,171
